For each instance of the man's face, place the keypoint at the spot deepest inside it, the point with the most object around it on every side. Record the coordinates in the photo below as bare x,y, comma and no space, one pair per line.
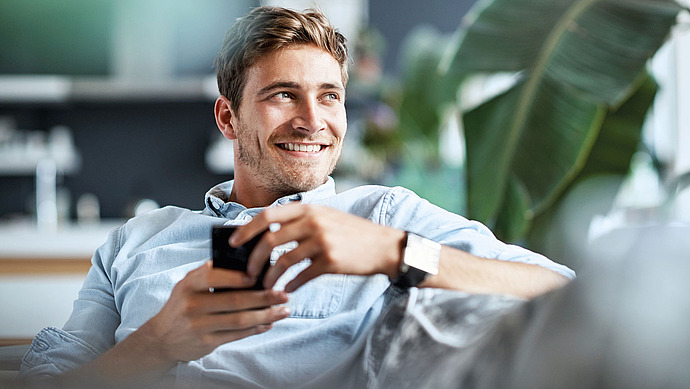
291,121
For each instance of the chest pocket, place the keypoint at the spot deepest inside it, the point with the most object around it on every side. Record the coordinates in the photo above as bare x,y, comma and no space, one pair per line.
318,298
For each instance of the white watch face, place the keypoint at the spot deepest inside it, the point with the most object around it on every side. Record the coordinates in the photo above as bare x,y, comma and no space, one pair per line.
422,253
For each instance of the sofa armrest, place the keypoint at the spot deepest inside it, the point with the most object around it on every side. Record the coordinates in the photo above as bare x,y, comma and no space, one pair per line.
11,356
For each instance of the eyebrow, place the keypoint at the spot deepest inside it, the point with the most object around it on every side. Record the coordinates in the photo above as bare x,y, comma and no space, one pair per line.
293,85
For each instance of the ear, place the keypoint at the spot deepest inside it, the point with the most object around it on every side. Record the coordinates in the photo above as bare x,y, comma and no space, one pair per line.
224,117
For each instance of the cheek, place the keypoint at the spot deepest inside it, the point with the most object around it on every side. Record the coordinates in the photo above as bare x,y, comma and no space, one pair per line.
339,123
269,121
256,129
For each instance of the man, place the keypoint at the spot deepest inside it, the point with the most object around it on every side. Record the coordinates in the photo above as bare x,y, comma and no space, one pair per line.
148,311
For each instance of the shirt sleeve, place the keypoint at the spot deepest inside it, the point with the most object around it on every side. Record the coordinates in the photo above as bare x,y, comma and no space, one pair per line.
404,210
90,329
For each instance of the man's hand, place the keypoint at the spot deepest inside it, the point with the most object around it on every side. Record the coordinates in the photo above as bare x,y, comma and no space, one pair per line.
195,321
336,242
191,324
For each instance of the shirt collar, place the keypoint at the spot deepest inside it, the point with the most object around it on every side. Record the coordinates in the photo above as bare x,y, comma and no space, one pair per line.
218,202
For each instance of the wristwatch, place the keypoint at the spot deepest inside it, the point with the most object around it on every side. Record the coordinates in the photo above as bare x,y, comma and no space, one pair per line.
420,259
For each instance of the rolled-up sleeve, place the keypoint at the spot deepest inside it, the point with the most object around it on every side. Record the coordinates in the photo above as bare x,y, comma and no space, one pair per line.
90,329
55,351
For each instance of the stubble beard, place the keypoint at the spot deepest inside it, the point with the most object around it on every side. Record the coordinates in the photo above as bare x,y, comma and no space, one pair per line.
301,176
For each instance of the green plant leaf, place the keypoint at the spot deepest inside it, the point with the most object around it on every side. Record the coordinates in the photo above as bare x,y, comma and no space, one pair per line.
596,47
503,35
621,132
542,158
514,219
421,106
577,60
617,142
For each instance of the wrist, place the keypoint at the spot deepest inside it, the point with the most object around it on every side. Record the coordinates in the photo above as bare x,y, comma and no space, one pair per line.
395,253
420,259
152,352
148,340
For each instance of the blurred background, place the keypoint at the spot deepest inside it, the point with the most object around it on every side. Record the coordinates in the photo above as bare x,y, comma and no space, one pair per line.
106,112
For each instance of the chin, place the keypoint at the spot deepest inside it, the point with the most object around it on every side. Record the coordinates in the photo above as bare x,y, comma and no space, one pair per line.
296,183
305,186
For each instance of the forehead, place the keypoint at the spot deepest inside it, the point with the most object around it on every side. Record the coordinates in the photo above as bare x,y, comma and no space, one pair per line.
304,64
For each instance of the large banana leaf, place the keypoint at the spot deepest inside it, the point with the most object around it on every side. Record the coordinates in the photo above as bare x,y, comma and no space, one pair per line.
617,142
578,59
540,155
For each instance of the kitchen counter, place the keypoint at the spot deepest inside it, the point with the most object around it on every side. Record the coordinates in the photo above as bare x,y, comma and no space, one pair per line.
41,273
25,248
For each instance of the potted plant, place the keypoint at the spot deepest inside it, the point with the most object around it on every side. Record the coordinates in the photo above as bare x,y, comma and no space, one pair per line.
576,107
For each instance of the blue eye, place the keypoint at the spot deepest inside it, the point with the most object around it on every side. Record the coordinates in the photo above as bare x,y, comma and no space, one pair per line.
283,95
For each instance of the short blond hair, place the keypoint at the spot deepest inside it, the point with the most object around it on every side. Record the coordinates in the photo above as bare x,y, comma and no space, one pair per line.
265,30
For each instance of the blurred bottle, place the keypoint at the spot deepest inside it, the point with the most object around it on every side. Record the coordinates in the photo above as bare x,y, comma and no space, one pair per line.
46,195
88,209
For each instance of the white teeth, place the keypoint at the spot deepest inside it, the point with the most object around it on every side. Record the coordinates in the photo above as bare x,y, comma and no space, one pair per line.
301,147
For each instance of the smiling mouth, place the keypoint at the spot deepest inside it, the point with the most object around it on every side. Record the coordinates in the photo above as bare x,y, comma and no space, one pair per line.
311,148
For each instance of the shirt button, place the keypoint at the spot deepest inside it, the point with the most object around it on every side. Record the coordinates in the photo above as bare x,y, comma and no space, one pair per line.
41,346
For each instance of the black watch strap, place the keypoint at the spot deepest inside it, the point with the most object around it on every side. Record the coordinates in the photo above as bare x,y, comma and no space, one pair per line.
412,277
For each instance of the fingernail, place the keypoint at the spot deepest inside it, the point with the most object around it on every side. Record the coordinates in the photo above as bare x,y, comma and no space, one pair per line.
284,311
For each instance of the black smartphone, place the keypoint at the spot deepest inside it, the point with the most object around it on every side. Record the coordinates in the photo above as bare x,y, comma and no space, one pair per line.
234,258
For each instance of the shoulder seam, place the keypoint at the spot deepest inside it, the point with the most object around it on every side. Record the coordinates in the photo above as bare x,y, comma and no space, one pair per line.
385,204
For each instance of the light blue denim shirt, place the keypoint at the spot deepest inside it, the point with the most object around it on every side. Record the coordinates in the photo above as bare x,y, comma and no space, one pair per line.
134,272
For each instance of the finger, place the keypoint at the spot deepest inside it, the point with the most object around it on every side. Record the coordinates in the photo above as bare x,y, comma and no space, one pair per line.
242,320
261,253
245,233
206,276
303,277
285,261
229,301
263,220
259,223
222,337
296,231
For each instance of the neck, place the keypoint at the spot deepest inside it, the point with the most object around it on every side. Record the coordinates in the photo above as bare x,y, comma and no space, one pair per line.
252,197
253,193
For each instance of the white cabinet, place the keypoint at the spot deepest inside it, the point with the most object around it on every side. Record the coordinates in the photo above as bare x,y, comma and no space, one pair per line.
41,273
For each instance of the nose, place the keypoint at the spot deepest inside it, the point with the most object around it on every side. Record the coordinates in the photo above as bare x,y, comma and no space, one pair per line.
309,117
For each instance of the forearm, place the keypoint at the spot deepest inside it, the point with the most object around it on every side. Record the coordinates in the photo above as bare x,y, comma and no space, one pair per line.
136,361
460,270
463,271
